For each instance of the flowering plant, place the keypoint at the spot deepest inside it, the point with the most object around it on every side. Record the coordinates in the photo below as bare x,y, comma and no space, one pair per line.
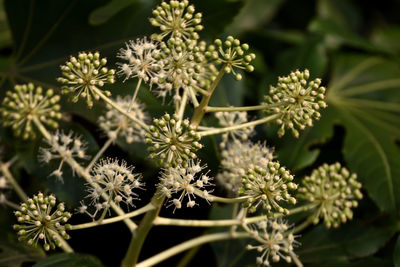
183,154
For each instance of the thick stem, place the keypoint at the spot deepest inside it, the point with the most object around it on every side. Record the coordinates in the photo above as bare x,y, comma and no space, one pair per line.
81,171
240,126
137,212
182,106
189,244
99,153
145,225
207,223
200,110
10,179
119,109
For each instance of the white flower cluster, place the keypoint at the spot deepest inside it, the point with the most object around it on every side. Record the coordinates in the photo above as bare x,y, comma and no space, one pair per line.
115,124
275,240
237,158
184,181
63,146
227,119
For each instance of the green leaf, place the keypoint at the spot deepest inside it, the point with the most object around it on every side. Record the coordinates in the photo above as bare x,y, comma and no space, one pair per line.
350,241
14,254
336,35
364,94
396,253
104,13
68,260
254,14
387,38
5,33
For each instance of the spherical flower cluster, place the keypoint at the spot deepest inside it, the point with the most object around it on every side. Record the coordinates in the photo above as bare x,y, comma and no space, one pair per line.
232,55
115,124
85,75
334,191
184,181
227,119
26,104
296,101
143,62
268,186
63,146
37,221
186,68
115,180
275,240
237,158
173,141
178,19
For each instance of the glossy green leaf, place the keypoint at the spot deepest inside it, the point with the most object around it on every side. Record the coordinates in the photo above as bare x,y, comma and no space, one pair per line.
387,38
14,254
350,241
104,13
68,260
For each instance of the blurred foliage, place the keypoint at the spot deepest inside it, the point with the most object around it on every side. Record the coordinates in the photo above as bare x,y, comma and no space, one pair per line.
354,46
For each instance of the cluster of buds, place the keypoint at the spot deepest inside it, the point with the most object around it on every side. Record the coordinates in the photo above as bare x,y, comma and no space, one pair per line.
184,181
232,54
173,141
37,221
143,62
275,240
185,68
64,147
237,158
85,75
296,101
178,19
115,124
227,119
115,180
268,186
26,104
334,191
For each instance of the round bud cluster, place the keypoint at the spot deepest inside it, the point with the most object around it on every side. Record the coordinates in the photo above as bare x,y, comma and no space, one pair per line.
27,103
185,68
275,240
38,222
173,141
115,124
84,75
115,180
63,146
268,186
296,101
178,19
232,55
237,157
334,191
227,119
143,62
184,181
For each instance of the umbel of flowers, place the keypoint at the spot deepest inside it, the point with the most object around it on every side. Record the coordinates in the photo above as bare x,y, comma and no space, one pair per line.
26,104
42,220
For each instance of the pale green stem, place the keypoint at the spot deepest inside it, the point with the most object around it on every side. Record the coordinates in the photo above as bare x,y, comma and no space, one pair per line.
5,201
189,244
213,198
134,95
182,106
10,179
296,259
81,171
120,109
240,126
302,226
64,244
99,153
132,214
235,214
249,108
207,223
